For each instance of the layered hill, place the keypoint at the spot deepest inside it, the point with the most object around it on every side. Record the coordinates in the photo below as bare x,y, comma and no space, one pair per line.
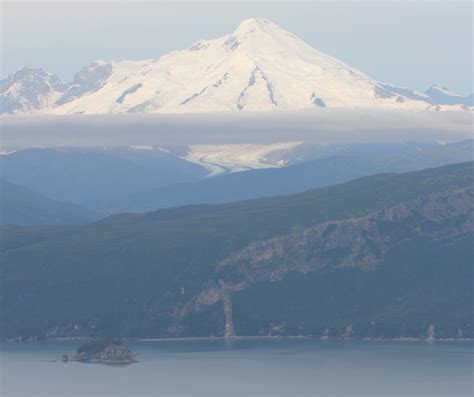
383,256
259,66
331,166
139,179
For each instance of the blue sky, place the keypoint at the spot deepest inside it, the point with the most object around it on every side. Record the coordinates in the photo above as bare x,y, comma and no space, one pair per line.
409,43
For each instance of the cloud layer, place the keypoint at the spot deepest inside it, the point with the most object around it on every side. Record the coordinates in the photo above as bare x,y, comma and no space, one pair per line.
328,126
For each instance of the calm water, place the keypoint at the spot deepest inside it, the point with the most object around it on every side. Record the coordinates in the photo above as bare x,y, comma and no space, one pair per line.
245,368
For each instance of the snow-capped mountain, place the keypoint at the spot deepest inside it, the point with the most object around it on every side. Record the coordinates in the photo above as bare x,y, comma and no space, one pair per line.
29,89
260,66
443,96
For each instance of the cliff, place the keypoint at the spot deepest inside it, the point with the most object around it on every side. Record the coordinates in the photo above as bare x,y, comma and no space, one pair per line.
384,256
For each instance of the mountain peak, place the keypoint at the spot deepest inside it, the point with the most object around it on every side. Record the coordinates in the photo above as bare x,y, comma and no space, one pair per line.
440,95
441,89
260,66
28,89
29,71
252,25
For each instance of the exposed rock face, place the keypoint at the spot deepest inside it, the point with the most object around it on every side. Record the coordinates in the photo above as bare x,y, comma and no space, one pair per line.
88,80
443,96
229,323
430,333
215,293
29,89
355,242
387,255
32,89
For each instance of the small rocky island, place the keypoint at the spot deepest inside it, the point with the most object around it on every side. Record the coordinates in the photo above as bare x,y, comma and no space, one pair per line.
104,352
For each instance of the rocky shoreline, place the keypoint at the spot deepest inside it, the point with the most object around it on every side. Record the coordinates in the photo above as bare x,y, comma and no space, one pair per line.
257,337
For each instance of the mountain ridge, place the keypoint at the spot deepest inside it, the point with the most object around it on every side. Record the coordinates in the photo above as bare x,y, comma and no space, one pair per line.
258,67
326,170
394,263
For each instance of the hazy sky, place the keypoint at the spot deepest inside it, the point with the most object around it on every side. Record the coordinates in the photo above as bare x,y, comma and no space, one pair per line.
410,43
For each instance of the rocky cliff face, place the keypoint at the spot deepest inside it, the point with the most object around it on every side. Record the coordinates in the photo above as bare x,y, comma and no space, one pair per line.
357,243
386,256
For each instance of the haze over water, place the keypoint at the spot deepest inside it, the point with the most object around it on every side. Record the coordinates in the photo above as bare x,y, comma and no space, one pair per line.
245,368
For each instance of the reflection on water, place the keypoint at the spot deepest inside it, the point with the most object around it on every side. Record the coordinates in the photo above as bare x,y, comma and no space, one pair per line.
245,368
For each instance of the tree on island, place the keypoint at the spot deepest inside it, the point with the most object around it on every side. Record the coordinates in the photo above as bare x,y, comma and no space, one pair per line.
105,351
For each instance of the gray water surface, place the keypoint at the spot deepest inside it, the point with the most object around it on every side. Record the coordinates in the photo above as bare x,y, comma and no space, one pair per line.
245,368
